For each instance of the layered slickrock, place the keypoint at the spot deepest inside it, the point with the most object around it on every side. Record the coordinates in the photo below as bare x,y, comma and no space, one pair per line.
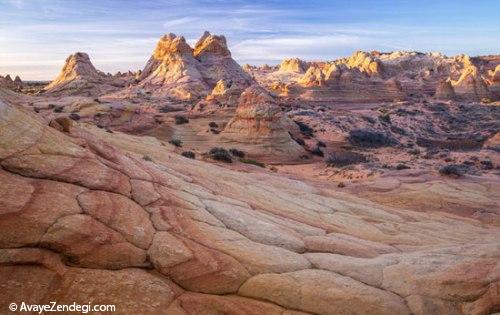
260,122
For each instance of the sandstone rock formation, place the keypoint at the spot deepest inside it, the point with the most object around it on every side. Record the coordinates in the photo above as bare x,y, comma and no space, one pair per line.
77,70
79,77
259,121
377,77
494,87
216,62
445,90
172,70
471,84
177,71
84,217
8,83
293,65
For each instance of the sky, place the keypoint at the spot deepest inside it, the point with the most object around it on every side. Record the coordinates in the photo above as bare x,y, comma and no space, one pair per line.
36,36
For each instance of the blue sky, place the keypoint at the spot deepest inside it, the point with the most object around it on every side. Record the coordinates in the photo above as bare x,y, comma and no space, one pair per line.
37,35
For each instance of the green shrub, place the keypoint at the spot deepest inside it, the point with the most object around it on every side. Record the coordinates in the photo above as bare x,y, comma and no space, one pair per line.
253,162
237,153
344,158
176,142
180,120
220,154
188,154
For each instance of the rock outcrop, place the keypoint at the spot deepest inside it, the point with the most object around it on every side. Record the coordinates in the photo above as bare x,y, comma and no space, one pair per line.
177,71
444,90
293,65
217,64
259,121
173,71
471,84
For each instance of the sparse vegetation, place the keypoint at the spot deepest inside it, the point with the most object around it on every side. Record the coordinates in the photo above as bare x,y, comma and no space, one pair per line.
402,166
74,116
370,138
176,142
220,154
317,151
58,109
213,124
305,129
385,118
253,162
214,131
237,153
344,158
452,170
147,158
188,154
180,120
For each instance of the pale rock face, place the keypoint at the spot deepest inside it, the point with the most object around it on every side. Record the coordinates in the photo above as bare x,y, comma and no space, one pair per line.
77,67
177,71
293,65
471,84
495,82
313,77
445,90
259,120
173,71
216,62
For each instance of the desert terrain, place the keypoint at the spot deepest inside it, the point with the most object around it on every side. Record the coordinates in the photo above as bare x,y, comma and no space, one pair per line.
196,185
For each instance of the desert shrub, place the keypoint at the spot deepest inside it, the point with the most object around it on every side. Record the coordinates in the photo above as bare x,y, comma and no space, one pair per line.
464,144
341,185
213,124
385,118
147,158
214,131
180,120
344,158
452,170
253,162
321,144
220,154
176,142
487,165
369,119
299,141
74,116
305,129
317,151
237,153
58,109
188,154
370,138
402,166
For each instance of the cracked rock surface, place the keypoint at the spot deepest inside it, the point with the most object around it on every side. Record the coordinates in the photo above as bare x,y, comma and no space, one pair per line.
84,217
